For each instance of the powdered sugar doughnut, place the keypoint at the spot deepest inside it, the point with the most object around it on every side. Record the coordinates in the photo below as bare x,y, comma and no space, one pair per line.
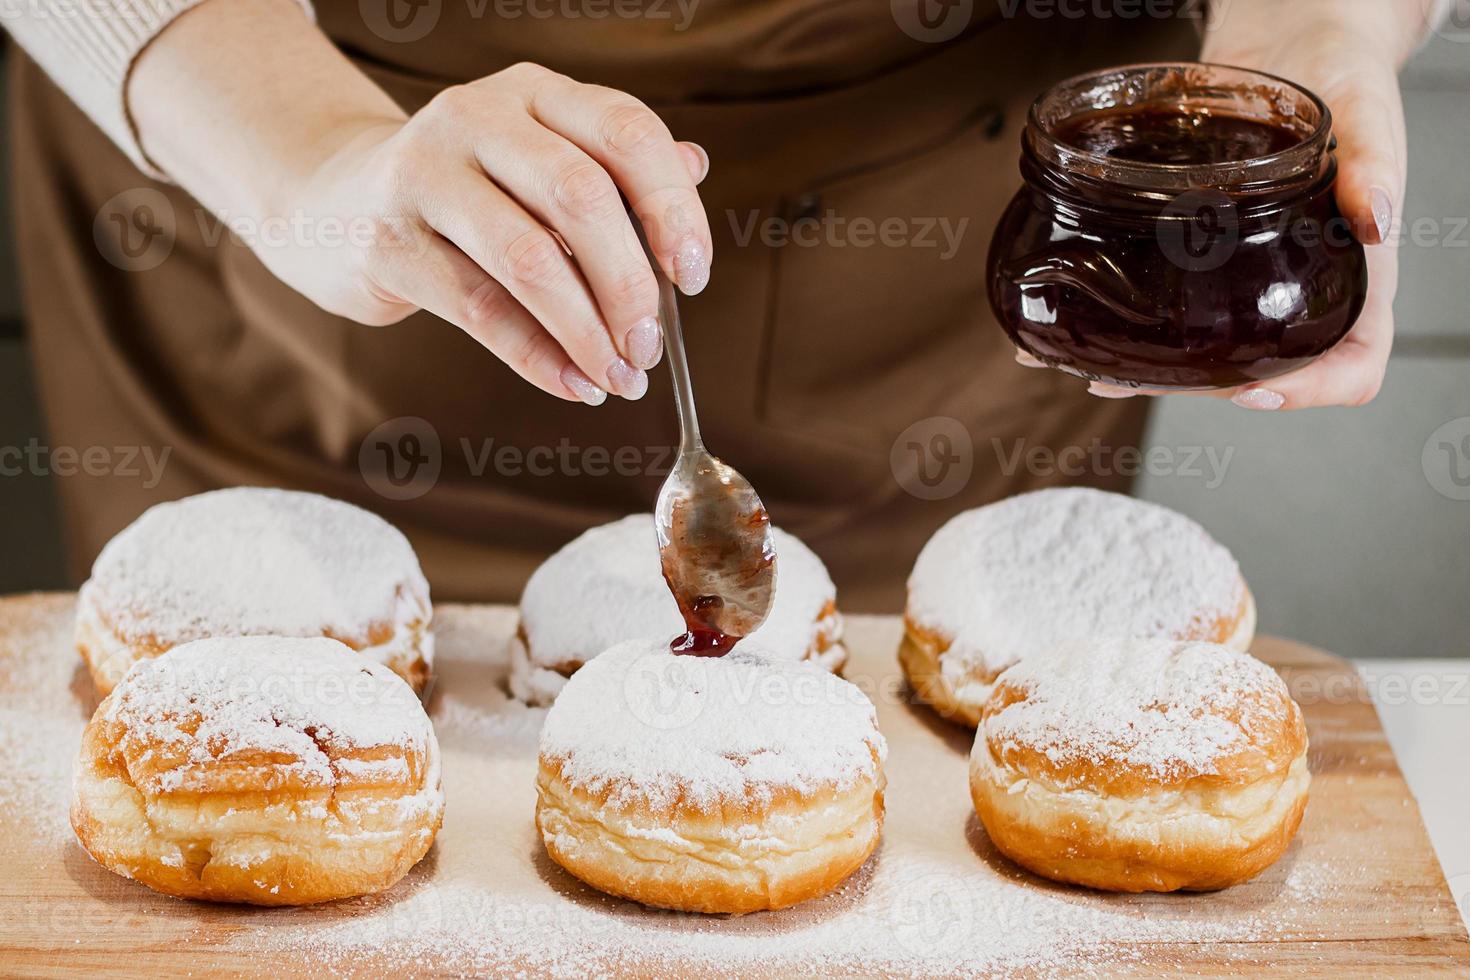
710,784
606,586
267,770
250,562
1141,765
1002,582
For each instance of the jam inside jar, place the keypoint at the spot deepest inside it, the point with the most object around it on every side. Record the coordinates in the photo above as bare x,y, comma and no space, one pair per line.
1176,230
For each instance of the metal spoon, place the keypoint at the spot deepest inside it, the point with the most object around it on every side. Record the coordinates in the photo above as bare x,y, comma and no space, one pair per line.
714,536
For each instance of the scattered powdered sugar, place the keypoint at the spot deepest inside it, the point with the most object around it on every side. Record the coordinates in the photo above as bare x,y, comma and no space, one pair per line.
37,758
1170,708
249,561
606,586
302,701
42,715
1311,883
1039,569
936,900
651,727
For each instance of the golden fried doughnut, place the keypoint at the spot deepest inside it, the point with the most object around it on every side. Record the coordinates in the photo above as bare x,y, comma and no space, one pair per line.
1141,765
267,770
251,562
709,784
999,583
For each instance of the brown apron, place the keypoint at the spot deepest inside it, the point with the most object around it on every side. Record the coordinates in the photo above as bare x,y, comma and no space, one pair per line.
844,354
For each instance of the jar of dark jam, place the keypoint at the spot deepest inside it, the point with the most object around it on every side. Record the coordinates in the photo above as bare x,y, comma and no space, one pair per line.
1177,229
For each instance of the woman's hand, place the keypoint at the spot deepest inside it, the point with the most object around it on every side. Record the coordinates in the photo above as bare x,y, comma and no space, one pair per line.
1348,52
499,206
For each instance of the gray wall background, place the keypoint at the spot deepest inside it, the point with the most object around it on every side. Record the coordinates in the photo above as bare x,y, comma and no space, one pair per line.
1334,514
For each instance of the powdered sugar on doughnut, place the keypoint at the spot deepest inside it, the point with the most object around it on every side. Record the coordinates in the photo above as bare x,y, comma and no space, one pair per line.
1166,708
251,561
302,702
1034,571
655,729
606,586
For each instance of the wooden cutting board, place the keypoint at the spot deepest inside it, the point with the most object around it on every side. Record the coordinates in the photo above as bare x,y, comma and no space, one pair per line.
1359,892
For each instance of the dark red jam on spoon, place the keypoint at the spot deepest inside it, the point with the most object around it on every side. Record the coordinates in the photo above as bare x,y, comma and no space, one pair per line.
721,574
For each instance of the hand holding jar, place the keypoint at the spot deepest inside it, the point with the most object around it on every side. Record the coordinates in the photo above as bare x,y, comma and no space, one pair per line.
1235,269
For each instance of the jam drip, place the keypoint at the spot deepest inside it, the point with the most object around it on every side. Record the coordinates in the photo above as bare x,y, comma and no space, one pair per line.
700,639
702,611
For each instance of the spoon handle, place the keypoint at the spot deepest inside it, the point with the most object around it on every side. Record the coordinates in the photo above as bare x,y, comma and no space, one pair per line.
668,317
689,438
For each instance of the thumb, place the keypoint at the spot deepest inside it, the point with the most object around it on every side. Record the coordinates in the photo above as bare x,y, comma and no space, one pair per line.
1368,120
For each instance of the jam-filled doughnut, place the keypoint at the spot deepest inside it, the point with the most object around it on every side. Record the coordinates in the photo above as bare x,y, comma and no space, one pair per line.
999,583
1141,765
265,770
709,784
606,586
252,562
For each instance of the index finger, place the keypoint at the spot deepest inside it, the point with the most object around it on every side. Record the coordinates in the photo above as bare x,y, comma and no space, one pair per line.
636,148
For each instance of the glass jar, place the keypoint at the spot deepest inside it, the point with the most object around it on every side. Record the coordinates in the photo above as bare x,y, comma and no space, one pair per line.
1176,230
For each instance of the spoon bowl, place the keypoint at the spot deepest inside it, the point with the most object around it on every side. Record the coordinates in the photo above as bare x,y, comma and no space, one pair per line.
715,545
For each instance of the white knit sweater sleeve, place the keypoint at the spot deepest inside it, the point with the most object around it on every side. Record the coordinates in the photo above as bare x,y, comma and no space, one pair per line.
88,48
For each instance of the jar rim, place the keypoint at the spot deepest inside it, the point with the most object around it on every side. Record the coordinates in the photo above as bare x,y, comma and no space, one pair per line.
1141,84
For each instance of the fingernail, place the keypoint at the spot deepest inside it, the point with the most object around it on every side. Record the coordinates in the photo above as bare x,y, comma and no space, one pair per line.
1259,399
581,386
1382,212
645,343
626,380
1109,391
703,160
1026,360
691,267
